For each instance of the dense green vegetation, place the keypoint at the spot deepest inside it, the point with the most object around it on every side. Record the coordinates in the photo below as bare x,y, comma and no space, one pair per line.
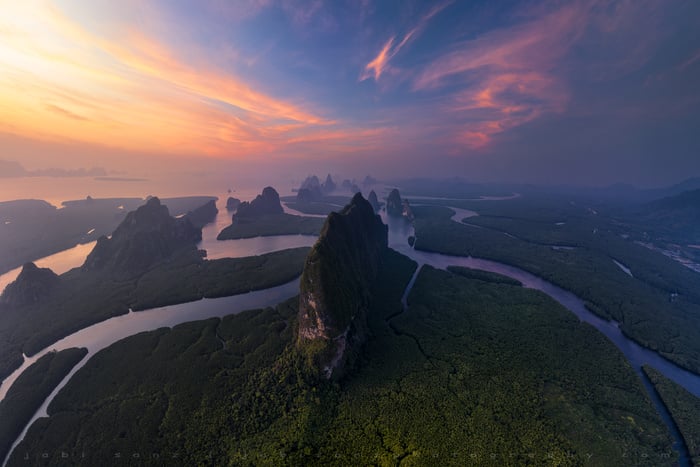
478,369
472,372
30,390
272,224
561,223
32,229
84,298
336,286
485,276
185,395
179,283
684,408
570,221
643,304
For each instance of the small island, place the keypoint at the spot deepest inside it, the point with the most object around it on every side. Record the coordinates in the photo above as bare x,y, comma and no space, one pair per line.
151,259
232,203
26,224
264,217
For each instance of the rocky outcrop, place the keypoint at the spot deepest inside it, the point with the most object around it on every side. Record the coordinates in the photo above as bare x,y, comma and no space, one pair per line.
329,185
310,190
145,237
397,207
372,198
305,195
32,286
264,204
232,203
350,186
394,203
203,214
336,286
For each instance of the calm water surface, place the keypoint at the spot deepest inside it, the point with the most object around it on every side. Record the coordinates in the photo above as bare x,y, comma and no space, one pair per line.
103,334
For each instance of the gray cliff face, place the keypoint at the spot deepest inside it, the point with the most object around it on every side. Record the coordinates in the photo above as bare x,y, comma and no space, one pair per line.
336,285
264,204
32,286
145,237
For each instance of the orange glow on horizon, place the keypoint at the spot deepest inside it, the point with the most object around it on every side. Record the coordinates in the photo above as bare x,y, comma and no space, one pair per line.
60,82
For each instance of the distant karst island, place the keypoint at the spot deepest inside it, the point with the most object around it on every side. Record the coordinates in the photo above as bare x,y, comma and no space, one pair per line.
265,216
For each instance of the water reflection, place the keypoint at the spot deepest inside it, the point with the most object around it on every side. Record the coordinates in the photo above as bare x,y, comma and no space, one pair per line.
59,263
100,335
103,334
73,257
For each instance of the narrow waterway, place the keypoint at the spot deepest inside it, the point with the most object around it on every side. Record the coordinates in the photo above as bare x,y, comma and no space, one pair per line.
635,354
59,263
74,257
103,334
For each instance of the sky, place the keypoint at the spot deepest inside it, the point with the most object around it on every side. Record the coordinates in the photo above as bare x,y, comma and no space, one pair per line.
582,91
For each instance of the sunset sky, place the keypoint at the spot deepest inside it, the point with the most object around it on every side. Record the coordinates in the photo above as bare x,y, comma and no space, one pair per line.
575,91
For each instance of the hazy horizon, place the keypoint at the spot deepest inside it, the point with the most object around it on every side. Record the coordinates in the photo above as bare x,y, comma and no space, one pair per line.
244,184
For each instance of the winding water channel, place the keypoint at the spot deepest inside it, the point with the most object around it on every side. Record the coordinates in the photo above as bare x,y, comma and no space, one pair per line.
103,334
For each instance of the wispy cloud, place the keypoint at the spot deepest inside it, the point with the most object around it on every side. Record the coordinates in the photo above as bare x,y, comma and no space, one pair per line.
690,61
510,76
136,93
536,44
376,67
64,112
505,77
380,64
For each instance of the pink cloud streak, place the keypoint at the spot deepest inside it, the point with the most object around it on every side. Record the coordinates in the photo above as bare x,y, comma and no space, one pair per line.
506,77
377,66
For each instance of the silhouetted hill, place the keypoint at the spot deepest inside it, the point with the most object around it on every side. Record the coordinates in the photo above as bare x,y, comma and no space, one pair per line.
264,204
394,203
676,218
311,190
329,185
32,286
203,214
690,184
688,200
145,237
232,203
